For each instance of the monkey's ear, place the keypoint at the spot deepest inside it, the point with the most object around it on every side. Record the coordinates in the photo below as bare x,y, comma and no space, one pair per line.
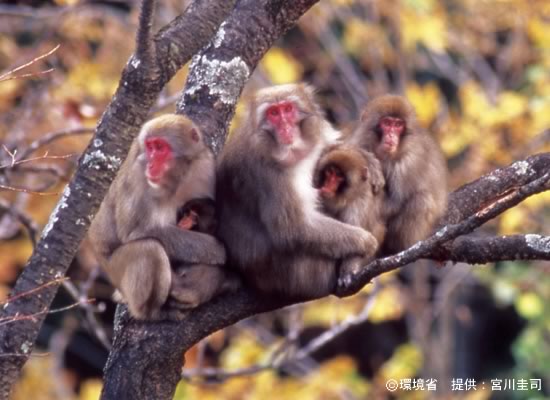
195,135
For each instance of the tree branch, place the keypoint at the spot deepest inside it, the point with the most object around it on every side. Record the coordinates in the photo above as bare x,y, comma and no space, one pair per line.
476,250
139,87
164,342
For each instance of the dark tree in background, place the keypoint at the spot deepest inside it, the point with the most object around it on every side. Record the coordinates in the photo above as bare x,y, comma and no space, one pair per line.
227,40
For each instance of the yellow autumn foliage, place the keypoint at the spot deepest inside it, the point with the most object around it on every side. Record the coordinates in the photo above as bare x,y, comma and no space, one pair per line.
88,79
281,66
404,363
429,30
426,101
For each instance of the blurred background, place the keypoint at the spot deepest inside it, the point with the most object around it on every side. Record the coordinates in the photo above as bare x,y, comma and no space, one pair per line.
478,73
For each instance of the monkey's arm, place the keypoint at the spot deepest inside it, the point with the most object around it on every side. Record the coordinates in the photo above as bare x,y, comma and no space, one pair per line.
188,246
317,233
103,233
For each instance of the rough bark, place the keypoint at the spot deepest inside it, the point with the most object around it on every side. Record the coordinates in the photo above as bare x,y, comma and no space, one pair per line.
142,79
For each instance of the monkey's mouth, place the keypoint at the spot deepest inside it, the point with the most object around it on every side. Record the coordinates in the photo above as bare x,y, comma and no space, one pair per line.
155,174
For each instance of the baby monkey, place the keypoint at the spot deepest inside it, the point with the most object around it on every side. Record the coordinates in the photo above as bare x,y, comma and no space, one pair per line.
350,184
198,283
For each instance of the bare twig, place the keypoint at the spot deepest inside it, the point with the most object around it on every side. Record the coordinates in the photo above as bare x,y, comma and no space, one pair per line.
26,190
44,311
6,76
50,137
34,290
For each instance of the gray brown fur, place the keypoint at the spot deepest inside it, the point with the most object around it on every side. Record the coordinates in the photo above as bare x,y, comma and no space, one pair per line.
199,283
134,234
359,200
416,176
274,233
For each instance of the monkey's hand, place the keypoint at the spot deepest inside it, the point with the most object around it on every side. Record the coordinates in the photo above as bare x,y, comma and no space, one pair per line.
374,172
323,236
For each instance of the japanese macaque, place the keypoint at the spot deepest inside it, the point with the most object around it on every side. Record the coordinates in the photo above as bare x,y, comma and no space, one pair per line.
351,184
413,166
274,233
135,233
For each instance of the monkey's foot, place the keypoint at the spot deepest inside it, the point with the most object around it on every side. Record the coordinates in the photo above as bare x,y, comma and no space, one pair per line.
349,270
173,314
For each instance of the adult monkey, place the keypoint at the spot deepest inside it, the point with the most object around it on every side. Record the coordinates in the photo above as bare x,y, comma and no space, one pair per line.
135,233
414,169
268,208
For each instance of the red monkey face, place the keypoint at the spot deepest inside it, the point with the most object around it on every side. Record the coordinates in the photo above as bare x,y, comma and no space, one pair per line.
392,128
283,117
159,156
332,181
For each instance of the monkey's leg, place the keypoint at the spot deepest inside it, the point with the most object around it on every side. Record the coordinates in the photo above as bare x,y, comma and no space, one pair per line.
188,246
141,271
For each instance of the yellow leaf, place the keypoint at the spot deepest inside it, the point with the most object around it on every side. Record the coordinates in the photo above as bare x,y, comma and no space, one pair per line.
281,67
473,101
536,202
540,115
88,79
244,351
512,221
456,135
341,372
424,6
429,30
91,389
426,100
539,32
404,363
387,305
329,311
530,305
357,32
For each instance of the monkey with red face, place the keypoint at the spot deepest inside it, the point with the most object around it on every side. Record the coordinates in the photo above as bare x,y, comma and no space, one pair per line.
414,169
351,187
135,233
270,221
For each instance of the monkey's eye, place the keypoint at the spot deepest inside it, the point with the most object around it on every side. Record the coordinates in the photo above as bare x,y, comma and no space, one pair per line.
157,145
288,108
273,111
